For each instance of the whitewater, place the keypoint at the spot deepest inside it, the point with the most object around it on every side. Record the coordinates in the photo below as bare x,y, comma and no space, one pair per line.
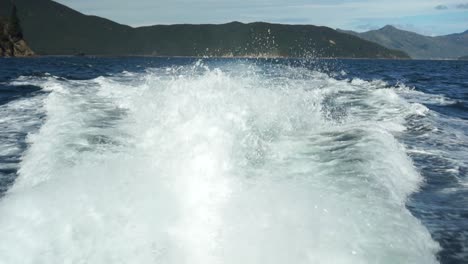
238,162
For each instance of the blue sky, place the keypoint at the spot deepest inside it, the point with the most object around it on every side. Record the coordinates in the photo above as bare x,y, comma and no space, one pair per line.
429,17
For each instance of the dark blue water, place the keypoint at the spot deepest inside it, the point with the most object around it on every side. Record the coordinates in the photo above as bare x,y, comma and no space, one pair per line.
437,142
442,202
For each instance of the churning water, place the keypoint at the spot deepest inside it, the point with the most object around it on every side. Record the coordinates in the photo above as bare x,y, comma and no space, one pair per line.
225,161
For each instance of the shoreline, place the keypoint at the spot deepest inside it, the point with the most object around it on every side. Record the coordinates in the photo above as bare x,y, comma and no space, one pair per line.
220,57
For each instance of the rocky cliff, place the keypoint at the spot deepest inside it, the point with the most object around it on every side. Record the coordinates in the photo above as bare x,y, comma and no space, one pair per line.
12,43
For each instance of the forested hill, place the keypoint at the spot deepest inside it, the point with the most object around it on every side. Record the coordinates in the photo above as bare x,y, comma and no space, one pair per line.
54,29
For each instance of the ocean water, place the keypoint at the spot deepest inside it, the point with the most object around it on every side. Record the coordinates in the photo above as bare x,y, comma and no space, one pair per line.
173,160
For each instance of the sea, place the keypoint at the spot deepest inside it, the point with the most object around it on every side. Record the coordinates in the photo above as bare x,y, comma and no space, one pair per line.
201,161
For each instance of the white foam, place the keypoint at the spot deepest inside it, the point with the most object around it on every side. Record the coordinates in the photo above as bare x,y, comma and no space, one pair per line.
18,118
190,165
413,95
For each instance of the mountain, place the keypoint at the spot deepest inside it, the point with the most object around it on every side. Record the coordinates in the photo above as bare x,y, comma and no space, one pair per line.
463,58
12,43
54,29
418,46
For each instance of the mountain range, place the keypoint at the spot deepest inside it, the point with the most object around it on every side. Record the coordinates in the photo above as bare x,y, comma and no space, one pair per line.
51,28
418,46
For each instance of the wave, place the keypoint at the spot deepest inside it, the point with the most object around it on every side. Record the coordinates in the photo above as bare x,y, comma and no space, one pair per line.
242,163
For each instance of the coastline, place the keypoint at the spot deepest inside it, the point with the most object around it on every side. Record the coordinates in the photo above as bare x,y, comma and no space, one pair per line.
224,57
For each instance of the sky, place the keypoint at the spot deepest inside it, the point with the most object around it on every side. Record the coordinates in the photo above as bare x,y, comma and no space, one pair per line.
428,17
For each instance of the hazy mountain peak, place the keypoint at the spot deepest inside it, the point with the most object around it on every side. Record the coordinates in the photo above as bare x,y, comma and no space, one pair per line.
389,27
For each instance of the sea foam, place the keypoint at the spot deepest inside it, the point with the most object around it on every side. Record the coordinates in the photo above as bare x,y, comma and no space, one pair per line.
237,164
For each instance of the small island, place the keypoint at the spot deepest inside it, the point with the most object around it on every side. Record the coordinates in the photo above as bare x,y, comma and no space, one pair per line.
463,58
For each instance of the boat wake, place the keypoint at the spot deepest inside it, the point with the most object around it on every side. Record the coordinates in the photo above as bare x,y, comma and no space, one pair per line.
242,163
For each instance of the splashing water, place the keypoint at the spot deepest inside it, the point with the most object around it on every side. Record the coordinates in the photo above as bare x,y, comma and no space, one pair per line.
238,164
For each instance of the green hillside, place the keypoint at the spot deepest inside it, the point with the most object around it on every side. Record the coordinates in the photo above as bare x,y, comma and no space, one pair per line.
54,29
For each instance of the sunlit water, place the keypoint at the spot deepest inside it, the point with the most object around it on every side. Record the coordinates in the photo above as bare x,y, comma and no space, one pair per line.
228,161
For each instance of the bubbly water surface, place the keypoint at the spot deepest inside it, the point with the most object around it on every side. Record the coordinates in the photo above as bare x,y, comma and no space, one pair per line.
232,161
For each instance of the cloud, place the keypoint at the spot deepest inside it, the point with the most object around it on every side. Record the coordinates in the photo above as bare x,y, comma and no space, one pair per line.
441,7
462,6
